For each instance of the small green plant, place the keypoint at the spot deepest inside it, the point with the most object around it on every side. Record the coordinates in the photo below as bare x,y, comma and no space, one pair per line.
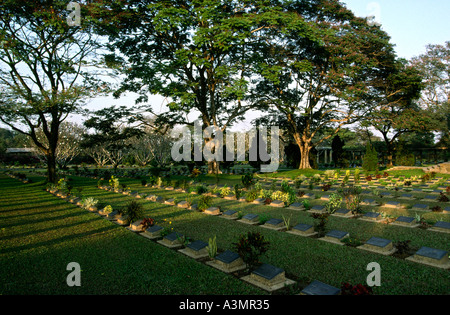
200,189
263,218
306,204
251,195
237,192
287,222
134,211
108,209
204,202
334,203
212,247
88,202
248,180
250,247
320,224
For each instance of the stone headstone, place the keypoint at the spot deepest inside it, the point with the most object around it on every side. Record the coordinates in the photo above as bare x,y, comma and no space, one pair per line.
320,288
275,224
197,249
432,257
183,204
170,202
335,236
379,245
344,213
172,240
393,204
212,211
406,221
277,203
303,230
296,206
153,232
268,277
420,207
369,202
250,219
430,198
230,214
441,226
259,201
371,216
317,209
227,262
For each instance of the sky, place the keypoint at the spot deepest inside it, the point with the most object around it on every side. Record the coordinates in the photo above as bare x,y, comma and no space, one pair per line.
411,24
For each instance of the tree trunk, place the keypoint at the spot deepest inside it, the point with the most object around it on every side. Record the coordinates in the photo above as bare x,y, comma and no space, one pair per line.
52,176
213,167
304,157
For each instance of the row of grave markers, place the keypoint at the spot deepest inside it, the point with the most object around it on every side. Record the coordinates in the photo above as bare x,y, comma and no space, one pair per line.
425,255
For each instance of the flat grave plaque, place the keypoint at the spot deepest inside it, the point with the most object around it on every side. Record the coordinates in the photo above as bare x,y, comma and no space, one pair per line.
393,204
172,240
320,288
303,230
371,216
230,214
212,211
259,201
431,257
153,232
344,213
420,207
249,219
446,210
369,202
268,277
227,262
197,249
136,226
430,198
170,202
406,196
277,203
274,224
406,221
335,236
317,209
183,204
296,206
441,226
379,245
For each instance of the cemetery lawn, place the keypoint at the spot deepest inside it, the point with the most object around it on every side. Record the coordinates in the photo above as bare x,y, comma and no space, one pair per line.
40,234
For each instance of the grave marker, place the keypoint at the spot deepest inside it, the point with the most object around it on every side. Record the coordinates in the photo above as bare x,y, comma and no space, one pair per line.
227,262
431,257
277,203
172,240
197,249
250,219
153,232
406,221
441,226
230,214
379,245
335,237
303,230
320,288
268,277
212,211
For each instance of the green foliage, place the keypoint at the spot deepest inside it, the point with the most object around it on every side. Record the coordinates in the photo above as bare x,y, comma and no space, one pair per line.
250,247
248,180
212,247
334,203
134,211
370,160
204,202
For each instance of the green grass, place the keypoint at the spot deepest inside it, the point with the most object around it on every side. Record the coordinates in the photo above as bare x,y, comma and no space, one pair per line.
41,235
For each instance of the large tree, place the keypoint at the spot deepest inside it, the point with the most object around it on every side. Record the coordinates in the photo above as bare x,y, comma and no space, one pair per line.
397,112
46,69
326,82
434,65
199,54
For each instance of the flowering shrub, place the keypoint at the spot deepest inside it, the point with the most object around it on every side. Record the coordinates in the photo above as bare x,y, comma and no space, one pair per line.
114,182
359,289
147,222
108,209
